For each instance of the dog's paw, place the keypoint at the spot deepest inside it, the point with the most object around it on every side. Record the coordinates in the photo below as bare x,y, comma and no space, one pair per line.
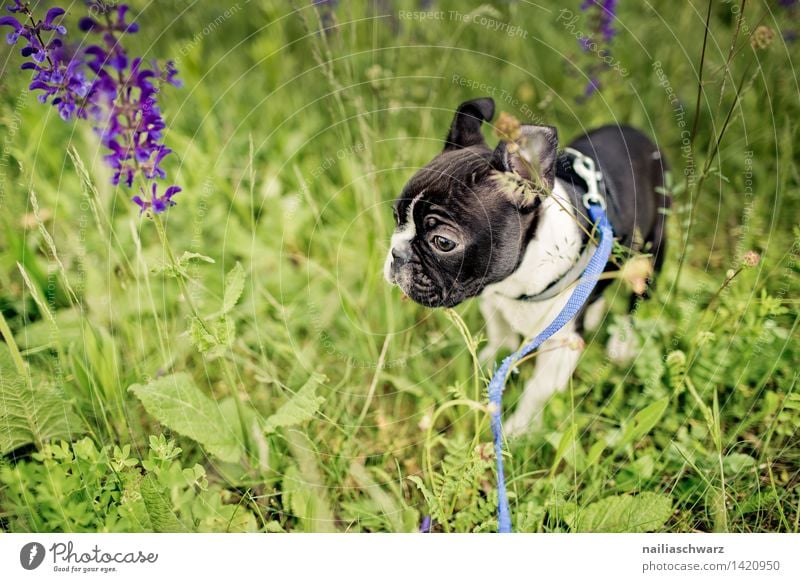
622,346
594,315
518,425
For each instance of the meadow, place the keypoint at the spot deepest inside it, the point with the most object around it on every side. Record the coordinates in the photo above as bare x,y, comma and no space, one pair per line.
238,362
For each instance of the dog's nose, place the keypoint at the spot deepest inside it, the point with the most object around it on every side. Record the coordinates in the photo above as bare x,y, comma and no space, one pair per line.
400,256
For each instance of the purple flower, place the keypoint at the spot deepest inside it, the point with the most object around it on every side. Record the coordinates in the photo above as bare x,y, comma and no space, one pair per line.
169,73
56,72
14,35
602,14
608,16
791,10
152,167
604,18
157,204
120,25
425,526
127,95
87,23
52,14
102,83
591,87
326,12
19,6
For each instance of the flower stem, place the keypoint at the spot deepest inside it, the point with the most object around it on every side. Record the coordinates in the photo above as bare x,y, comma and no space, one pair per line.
38,34
230,377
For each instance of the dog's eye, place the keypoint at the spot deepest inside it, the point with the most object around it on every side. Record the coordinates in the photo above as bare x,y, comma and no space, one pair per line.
443,244
396,215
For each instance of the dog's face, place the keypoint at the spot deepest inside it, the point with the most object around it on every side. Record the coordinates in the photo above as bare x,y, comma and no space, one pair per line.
464,220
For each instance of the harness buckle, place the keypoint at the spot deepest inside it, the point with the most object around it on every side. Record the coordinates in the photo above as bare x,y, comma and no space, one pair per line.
585,167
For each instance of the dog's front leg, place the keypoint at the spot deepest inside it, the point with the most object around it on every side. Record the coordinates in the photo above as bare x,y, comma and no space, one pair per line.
556,360
498,332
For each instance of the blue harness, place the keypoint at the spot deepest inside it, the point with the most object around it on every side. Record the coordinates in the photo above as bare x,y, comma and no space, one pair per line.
594,202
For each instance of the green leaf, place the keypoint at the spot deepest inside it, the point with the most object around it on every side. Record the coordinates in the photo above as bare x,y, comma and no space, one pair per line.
792,402
300,407
737,462
297,497
305,488
426,493
187,257
31,413
132,505
41,333
181,266
159,510
623,514
176,402
595,451
384,503
644,421
632,476
234,285
568,449
213,336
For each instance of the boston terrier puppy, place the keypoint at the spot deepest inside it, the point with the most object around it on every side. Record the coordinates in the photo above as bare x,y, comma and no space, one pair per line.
508,225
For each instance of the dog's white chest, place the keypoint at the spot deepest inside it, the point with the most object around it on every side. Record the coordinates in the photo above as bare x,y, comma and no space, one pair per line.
550,255
527,318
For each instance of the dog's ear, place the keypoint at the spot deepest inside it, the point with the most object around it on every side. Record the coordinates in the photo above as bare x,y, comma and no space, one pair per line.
465,130
532,155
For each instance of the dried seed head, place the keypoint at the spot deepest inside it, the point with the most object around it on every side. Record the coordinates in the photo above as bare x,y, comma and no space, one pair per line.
762,37
751,258
507,127
636,272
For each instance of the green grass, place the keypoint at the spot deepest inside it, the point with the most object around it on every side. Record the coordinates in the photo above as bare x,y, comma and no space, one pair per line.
307,396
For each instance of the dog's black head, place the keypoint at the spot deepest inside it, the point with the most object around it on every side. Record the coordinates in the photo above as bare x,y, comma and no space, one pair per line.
464,220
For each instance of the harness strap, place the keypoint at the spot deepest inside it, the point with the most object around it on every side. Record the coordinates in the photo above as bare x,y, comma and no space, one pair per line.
564,281
574,304
575,166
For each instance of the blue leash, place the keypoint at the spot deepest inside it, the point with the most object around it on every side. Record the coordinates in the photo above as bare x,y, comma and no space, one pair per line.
596,266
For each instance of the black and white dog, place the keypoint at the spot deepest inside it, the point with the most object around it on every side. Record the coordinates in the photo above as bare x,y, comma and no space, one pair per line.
508,225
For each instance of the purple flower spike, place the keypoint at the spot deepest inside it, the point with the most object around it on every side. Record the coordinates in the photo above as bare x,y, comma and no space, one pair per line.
606,14
127,94
103,83
55,73
601,18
